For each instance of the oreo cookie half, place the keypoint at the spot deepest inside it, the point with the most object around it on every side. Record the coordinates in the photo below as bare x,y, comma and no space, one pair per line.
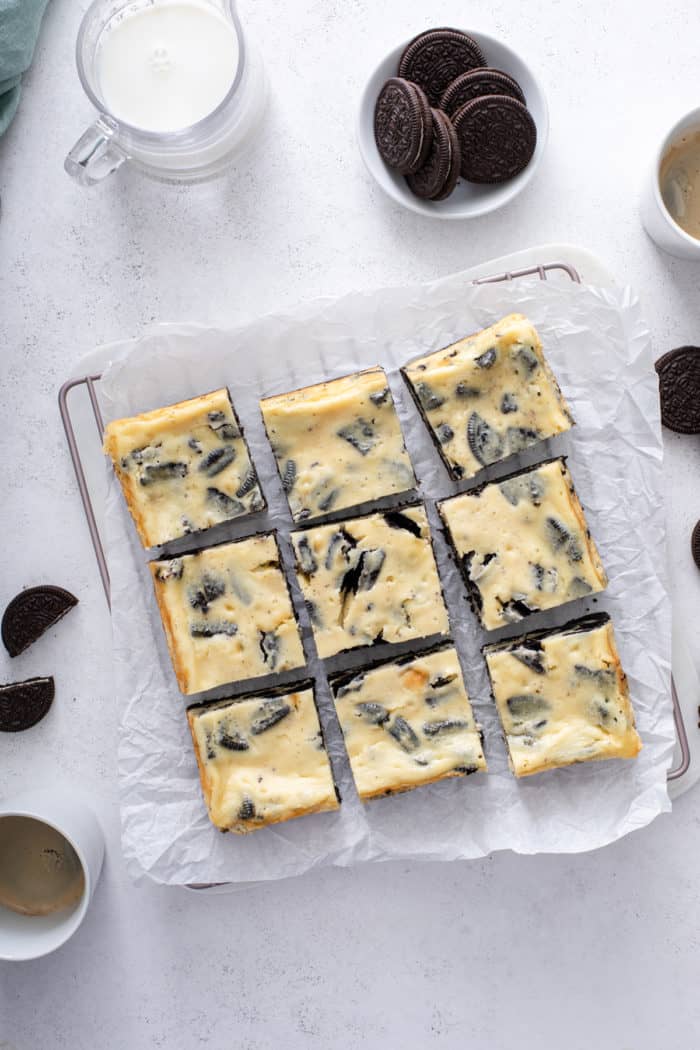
23,704
679,389
32,612
438,176
435,58
479,82
497,138
402,126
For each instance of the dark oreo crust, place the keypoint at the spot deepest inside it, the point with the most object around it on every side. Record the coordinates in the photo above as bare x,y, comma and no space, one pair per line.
32,612
435,58
679,389
479,82
695,544
497,137
402,126
23,704
438,176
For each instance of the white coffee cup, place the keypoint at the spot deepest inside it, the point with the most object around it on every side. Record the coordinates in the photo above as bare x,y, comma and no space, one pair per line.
658,222
31,936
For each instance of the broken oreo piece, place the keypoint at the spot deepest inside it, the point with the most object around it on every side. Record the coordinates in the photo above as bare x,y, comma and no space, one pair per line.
438,177
679,389
23,704
497,137
437,57
402,126
31,613
476,83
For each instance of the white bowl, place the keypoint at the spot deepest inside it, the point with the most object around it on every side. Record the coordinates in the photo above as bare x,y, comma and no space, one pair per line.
469,199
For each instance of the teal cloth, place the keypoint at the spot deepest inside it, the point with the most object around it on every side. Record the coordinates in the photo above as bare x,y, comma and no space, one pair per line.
19,28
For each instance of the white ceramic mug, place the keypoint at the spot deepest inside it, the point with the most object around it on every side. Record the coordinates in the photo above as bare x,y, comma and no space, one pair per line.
30,936
658,222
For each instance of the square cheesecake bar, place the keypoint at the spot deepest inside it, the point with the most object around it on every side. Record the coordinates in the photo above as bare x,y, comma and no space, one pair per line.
523,544
488,397
408,722
184,468
338,444
562,696
262,759
370,579
227,613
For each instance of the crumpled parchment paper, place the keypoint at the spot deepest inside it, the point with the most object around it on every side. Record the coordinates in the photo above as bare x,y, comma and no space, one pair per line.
599,348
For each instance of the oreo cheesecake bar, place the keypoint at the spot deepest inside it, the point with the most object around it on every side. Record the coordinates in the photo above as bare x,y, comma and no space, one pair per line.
488,397
523,544
338,444
227,613
370,579
407,723
184,468
262,759
562,696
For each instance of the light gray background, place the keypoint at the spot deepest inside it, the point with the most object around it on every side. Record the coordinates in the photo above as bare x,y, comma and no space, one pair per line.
597,950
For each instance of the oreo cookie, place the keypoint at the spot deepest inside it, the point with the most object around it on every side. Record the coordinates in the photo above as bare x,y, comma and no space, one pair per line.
435,58
438,176
32,612
23,704
476,83
679,389
695,544
402,126
497,138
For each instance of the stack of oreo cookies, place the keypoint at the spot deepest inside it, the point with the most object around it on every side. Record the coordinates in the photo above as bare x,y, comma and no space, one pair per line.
447,113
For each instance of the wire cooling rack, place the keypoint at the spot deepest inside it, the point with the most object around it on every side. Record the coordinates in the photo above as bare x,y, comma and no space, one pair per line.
90,384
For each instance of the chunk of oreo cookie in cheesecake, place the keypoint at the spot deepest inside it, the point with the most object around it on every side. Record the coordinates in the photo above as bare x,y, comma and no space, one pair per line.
184,468
562,696
408,722
523,544
227,614
370,579
338,444
488,396
262,758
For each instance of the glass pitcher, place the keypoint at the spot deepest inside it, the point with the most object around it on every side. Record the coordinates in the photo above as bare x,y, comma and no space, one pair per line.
194,153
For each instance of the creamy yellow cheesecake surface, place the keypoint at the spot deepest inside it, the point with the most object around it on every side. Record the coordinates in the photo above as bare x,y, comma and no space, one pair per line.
407,723
489,396
227,614
184,468
562,696
338,444
370,579
262,759
523,544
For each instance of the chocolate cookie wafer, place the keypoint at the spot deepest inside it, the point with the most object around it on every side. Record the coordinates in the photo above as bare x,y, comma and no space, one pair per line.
476,83
438,176
23,704
679,389
32,612
402,126
435,58
497,138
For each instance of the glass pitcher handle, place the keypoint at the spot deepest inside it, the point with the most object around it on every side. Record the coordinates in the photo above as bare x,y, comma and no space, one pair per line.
95,155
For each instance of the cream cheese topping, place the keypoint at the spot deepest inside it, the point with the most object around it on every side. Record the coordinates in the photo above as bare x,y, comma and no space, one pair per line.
262,759
227,614
338,444
184,468
408,723
562,697
489,396
523,544
370,579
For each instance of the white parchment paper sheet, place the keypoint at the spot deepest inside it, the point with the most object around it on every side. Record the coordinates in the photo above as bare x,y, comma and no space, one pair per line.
599,348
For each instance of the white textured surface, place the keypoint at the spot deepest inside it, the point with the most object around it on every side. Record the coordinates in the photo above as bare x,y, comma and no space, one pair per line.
597,950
